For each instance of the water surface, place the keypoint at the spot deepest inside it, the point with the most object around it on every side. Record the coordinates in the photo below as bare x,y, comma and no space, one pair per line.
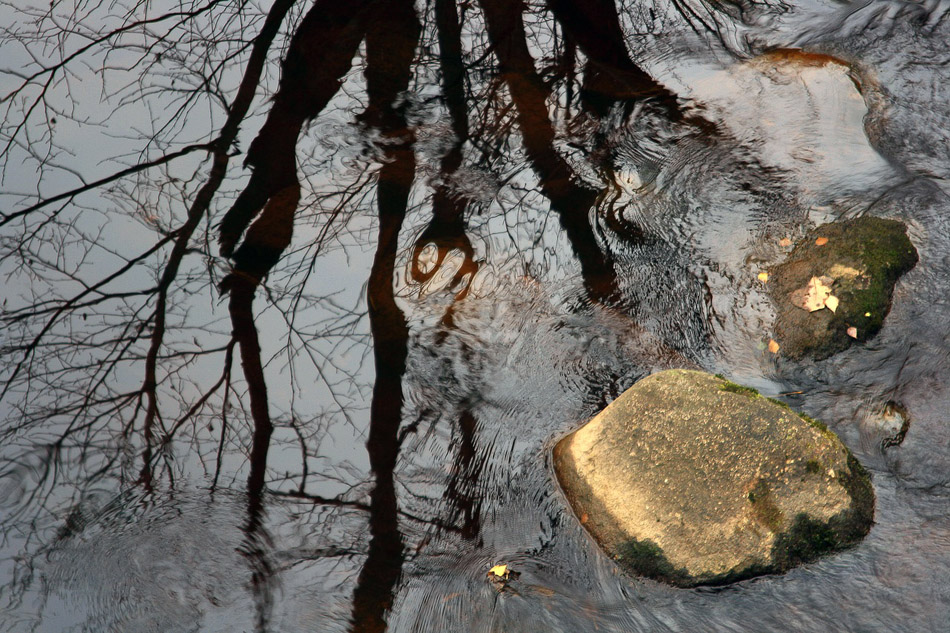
460,231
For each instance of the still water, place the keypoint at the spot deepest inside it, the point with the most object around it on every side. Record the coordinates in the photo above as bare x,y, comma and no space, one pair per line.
476,224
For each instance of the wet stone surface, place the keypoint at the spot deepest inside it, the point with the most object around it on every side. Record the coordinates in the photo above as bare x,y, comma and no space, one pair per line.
690,479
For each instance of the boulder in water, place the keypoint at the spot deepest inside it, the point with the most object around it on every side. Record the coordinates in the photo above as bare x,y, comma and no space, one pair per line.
693,480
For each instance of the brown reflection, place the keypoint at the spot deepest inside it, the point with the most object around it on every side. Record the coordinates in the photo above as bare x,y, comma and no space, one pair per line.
610,75
391,41
462,492
446,229
256,232
570,200
254,548
320,53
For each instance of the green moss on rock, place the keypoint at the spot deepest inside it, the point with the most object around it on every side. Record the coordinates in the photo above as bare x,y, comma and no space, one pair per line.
805,542
763,507
732,387
864,257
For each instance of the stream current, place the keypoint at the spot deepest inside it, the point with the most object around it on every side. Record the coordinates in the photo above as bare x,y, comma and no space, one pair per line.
415,453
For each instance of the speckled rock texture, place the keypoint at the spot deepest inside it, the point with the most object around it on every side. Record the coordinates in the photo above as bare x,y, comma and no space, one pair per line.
692,480
861,260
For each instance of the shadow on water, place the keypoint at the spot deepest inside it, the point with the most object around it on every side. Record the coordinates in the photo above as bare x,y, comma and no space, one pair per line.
460,229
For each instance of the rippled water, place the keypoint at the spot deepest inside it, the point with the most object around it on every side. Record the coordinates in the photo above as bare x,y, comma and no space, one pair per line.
541,262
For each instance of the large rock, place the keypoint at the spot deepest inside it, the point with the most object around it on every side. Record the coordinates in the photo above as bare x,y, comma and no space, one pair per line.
858,261
691,479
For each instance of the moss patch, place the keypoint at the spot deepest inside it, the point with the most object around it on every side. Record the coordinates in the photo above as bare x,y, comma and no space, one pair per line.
732,387
807,539
804,542
818,424
763,507
854,523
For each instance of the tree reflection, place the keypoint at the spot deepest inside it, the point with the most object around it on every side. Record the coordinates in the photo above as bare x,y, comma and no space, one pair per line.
391,42
118,359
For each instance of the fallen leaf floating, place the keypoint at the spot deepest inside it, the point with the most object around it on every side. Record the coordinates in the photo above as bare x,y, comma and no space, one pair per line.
773,346
785,241
499,571
814,296
763,277
853,332
821,241
832,303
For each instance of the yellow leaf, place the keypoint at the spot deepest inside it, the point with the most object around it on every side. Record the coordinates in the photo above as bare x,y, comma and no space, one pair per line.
853,332
499,571
763,277
832,303
867,314
773,346
785,241
812,297
821,241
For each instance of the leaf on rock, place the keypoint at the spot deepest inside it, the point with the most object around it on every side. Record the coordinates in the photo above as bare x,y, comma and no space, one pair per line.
499,571
853,332
821,241
813,296
832,303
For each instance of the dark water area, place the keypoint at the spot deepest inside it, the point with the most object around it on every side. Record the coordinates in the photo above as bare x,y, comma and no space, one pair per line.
307,376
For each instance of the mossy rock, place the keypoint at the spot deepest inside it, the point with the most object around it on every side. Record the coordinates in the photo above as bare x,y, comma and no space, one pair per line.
861,261
692,480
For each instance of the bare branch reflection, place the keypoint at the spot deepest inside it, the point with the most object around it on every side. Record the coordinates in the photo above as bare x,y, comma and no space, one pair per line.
401,161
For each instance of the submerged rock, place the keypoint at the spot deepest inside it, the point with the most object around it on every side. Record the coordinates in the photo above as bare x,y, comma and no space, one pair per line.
803,113
693,480
857,262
